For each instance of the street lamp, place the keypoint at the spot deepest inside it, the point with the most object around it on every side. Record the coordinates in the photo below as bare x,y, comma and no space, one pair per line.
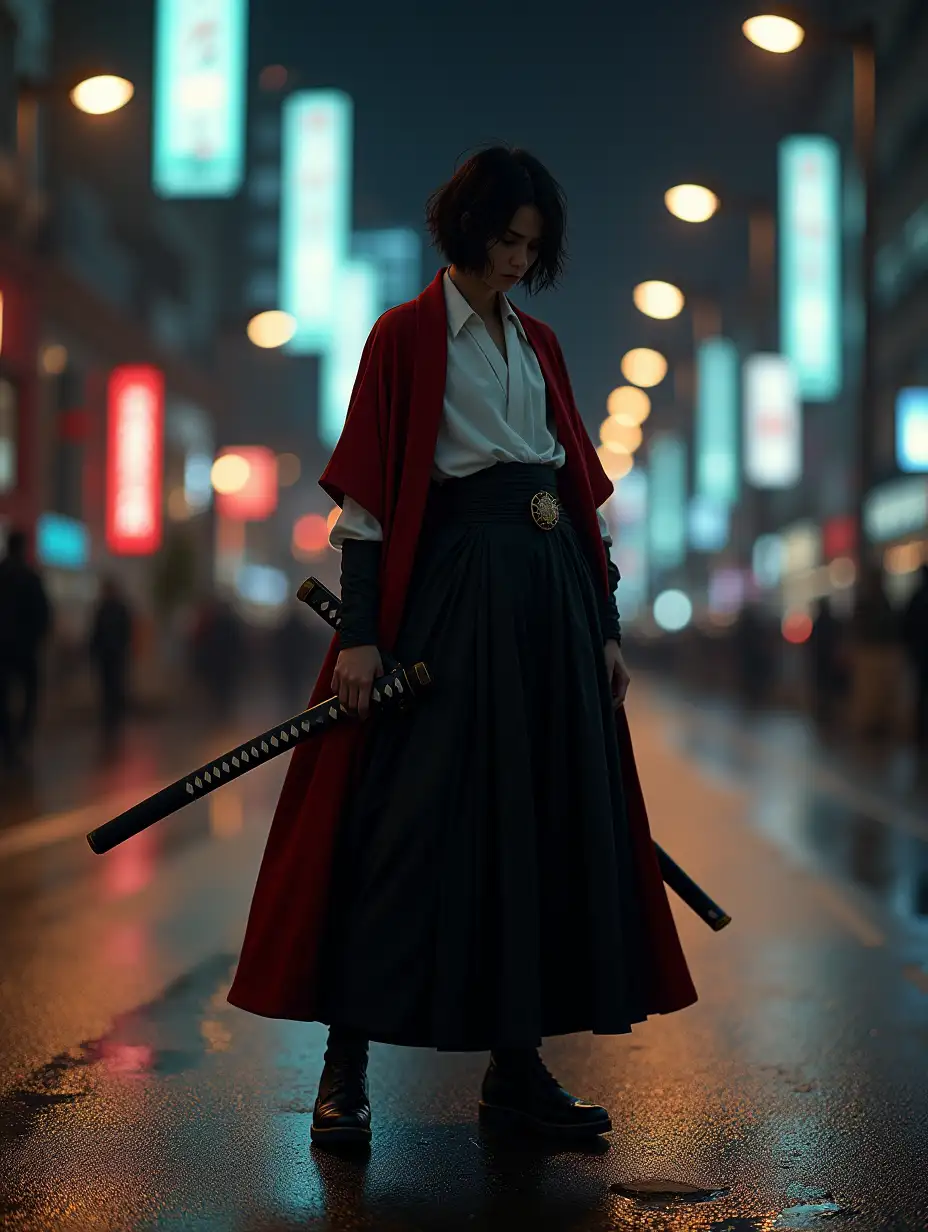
644,367
102,94
691,202
862,40
772,33
660,300
271,329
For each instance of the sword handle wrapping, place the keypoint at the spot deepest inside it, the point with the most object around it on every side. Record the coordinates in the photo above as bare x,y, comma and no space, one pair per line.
389,691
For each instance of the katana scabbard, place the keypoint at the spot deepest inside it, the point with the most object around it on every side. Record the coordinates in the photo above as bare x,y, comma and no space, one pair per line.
316,594
392,691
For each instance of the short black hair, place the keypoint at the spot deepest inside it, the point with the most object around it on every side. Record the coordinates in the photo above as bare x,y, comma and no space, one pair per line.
475,207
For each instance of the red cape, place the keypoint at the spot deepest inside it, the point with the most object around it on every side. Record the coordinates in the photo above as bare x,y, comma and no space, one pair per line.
383,461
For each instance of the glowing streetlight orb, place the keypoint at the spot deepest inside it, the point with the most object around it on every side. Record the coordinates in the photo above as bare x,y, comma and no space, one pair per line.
629,404
310,535
661,300
619,437
616,465
644,367
101,95
691,202
777,34
271,329
229,474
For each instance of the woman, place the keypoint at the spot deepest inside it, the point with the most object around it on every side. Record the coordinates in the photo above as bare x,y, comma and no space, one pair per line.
489,880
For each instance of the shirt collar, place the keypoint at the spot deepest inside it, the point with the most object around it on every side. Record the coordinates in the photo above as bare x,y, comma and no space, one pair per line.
460,311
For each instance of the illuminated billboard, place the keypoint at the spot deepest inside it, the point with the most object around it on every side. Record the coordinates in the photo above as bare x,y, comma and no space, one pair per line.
667,501
810,263
315,212
772,423
358,301
397,253
912,430
134,460
201,61
628,508
717,471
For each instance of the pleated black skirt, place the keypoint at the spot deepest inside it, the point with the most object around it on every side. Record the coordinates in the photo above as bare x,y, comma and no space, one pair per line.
483,893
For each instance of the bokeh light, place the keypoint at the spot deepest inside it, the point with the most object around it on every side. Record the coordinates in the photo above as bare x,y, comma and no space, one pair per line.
330,521
310,535
672,610
691,202
777,34
842,572
101,95
271,329
53,359
273,77
619,437
288,469
661,300
796,627
616,465
629,404
229,474
643,366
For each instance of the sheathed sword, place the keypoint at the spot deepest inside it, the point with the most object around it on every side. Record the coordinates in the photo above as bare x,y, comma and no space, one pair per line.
395,690
327,605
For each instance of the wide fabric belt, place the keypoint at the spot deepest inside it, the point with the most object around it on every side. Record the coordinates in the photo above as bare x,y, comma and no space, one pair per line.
505,492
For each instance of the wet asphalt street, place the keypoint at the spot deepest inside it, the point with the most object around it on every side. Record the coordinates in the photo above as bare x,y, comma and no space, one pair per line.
793,1095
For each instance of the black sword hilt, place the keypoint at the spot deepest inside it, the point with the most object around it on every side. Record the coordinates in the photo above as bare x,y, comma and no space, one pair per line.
389,691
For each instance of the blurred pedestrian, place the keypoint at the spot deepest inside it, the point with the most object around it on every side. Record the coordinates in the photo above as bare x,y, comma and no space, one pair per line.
219,649
754,653
428,881
874,705
110,652
297,651
915,637
825,661
25,619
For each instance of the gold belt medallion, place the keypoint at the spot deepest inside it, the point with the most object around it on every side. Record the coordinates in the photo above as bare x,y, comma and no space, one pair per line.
545,510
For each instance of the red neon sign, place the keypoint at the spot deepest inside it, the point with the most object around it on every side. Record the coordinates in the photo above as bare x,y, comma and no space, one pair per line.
134,460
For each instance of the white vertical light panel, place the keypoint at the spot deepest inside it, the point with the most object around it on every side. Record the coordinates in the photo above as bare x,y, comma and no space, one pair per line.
201,60
357,308
772,422
810,263
315,212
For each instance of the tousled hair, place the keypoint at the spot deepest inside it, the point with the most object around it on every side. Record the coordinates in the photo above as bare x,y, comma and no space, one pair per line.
475,207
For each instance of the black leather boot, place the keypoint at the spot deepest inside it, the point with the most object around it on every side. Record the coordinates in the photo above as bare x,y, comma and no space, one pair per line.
342,1111
519,1093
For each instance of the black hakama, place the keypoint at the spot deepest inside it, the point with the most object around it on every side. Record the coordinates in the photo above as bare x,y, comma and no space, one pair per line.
483,893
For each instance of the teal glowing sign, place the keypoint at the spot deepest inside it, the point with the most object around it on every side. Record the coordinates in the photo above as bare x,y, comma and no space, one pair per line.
315,212
397,253
357,308
717,379
810,263
60,542
667,501
201,58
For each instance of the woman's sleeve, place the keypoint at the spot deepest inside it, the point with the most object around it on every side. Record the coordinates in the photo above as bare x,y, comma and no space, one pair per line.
354,522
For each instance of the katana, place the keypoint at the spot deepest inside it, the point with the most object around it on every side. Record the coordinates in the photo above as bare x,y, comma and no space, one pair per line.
327,605
395,690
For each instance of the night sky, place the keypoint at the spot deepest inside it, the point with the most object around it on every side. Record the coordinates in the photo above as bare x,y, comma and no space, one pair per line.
621,101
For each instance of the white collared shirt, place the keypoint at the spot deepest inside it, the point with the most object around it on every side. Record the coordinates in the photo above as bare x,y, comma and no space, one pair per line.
495,409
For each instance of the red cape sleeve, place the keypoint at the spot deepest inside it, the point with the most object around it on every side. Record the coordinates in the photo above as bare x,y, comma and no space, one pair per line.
358,463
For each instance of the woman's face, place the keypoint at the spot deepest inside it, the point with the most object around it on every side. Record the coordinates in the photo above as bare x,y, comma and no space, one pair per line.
513,255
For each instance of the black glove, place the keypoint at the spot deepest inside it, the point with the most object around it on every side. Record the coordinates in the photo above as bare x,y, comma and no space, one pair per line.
360,593
612,627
